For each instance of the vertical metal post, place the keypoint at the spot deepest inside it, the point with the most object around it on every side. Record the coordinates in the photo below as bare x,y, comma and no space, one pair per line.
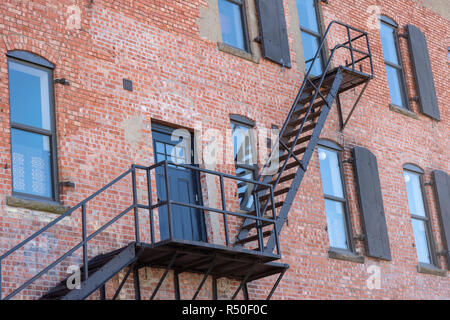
258,222
150,204
274,215
224,208
339,107
168,198
370,54
135,202
137,284
351,47
84,235
214,288
103,293
246,295
176,284
1,279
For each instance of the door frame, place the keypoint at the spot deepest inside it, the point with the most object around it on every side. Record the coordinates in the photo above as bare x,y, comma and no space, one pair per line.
166,129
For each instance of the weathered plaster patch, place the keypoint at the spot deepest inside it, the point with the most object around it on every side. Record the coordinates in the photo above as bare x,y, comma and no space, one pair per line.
212,198
253,29
133,130
34,215
294,31
441,7
209,22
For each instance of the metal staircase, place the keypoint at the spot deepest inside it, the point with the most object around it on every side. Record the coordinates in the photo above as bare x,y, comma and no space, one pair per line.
301,131
274,192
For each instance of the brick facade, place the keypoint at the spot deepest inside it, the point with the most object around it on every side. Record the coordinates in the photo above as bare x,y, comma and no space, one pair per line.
180,77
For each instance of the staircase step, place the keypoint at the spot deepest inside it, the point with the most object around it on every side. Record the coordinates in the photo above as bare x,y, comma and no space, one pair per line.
312,116
285,178
293,133
303,107
282,179
254,224
299,141
276,193
269,208
253,238
291,165
296,152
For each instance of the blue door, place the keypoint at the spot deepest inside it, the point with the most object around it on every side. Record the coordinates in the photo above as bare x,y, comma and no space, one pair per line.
188,223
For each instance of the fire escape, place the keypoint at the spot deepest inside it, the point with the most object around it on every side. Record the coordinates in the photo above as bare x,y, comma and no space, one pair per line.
254,252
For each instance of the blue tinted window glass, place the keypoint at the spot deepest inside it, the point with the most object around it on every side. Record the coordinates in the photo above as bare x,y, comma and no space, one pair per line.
414,193
395,88
29,95
160,147
330,172
31,164
245,190
231,24
242,144
336,224
388,43
160,157
420,235
307,15
310,47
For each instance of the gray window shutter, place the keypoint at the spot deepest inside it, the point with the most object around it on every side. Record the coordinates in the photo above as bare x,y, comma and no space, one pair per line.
371,204
423,74
442,190
274,37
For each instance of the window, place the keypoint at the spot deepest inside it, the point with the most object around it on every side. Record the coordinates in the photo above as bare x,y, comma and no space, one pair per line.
311,34
392,61
335,197
419,215
233,23
245,159
32,126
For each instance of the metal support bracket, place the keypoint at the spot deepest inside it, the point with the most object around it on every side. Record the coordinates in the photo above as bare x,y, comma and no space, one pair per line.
275,286
243,282
210,269
354,107
349,160
169,266
131,267
62,81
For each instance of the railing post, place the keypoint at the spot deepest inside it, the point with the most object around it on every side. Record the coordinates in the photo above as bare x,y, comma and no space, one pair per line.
84,235
274,215
351,47
224,208
258,222
370,54
168,198
150,204
1,279
135,202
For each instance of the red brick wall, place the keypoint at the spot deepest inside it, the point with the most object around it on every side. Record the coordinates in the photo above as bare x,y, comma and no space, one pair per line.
183,79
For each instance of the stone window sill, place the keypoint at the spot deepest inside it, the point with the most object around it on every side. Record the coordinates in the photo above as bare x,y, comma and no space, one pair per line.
237,52
345,255
36,205
429,269
403,111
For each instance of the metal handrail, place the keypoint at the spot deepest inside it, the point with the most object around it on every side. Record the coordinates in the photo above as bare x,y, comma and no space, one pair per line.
306,79
135,206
